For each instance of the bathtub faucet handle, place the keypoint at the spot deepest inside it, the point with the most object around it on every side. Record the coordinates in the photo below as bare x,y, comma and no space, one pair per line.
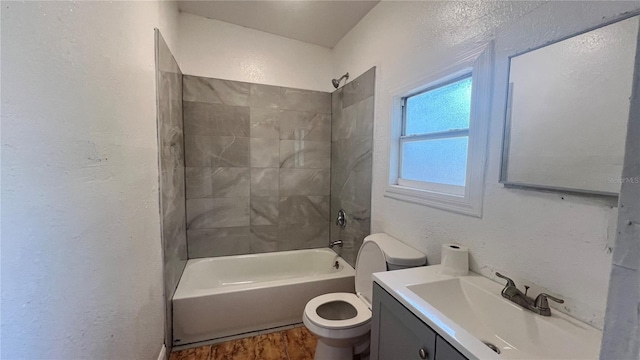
341,220
335,243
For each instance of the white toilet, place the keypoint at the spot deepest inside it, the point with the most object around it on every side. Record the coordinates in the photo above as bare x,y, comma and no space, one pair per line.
342,321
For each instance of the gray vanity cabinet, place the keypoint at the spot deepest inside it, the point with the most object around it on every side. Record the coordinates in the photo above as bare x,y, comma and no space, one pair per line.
398,334
444,351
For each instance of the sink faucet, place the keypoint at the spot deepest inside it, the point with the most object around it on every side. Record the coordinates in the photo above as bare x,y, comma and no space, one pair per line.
539,306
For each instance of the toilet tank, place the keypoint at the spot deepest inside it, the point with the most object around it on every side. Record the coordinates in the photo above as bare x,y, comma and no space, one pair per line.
398,255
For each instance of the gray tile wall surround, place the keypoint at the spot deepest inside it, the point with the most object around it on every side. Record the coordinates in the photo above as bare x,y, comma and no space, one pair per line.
359,88
304,154
215,91
211,213
275,97
305,182
264,238
257,167
218,241
302,236
216,119
217,182
265,210
216,151
265,152
265,182
172,176
351,161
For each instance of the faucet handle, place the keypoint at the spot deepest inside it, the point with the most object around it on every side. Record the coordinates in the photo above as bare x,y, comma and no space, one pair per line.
542,303
509,281
335,243
341,220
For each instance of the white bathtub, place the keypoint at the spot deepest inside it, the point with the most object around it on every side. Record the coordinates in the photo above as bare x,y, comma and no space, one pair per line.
230,295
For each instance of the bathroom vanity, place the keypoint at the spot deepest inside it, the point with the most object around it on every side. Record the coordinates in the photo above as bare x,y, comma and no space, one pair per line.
421,313
404,336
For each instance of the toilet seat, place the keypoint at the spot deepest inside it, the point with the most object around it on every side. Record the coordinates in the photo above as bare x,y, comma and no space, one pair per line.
363,313
341,339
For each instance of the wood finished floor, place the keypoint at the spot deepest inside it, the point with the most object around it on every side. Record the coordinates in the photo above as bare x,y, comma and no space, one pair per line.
293,344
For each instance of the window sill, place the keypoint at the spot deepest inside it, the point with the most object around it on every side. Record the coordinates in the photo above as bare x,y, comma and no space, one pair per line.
431,188
460,204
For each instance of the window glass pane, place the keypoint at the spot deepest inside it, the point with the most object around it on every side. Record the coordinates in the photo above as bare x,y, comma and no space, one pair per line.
442,161
441,109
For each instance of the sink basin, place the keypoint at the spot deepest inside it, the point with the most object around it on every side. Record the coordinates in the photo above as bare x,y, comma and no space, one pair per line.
469,311
516,332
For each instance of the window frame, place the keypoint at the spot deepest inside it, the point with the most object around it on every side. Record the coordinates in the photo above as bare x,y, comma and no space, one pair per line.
467,200
436,135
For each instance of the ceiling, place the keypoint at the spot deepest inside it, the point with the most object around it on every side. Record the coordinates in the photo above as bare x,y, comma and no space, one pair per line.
322,23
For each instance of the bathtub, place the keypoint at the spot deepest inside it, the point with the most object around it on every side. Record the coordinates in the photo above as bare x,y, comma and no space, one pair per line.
231,295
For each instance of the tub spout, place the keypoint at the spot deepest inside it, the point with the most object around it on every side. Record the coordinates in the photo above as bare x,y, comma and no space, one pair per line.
335,243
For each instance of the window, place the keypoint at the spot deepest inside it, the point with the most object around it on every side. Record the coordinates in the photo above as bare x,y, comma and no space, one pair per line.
435,137
439,136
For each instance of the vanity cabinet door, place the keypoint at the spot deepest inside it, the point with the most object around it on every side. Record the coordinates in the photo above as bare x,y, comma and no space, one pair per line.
444,351
396,333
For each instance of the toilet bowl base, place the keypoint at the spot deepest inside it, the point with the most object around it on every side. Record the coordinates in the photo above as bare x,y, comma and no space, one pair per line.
326,352
343,349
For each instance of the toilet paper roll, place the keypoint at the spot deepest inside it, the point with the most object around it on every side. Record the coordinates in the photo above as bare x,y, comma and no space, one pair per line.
455,260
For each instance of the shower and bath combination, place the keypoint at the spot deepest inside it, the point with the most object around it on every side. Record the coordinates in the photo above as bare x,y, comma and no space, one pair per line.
336,82
276,277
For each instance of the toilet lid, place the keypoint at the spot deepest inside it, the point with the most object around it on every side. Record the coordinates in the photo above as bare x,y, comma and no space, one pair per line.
363,314
396,252
370,260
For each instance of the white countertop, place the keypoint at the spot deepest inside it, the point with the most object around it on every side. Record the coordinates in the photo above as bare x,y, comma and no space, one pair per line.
397,282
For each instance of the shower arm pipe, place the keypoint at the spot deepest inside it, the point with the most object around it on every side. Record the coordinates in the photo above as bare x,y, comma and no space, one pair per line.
336,82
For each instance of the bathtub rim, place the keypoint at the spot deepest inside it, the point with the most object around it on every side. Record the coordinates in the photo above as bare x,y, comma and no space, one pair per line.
182,293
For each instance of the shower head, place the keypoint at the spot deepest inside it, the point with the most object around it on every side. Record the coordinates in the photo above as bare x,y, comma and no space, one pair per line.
336,82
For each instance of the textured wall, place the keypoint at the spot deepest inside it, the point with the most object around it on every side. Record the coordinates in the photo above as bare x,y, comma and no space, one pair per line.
351,161
221,50
172,184
81,255
257,161
557,241
621,339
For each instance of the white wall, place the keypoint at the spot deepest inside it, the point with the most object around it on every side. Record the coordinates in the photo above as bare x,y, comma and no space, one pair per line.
621,338
81,257
553,240
217,49
168,18
81,254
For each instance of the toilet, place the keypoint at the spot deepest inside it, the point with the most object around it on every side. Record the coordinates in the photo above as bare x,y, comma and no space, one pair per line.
342,321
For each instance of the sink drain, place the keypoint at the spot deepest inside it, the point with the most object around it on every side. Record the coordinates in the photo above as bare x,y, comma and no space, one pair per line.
492,347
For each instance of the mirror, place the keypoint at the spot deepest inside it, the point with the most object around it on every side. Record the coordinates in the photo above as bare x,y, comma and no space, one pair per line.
568,109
